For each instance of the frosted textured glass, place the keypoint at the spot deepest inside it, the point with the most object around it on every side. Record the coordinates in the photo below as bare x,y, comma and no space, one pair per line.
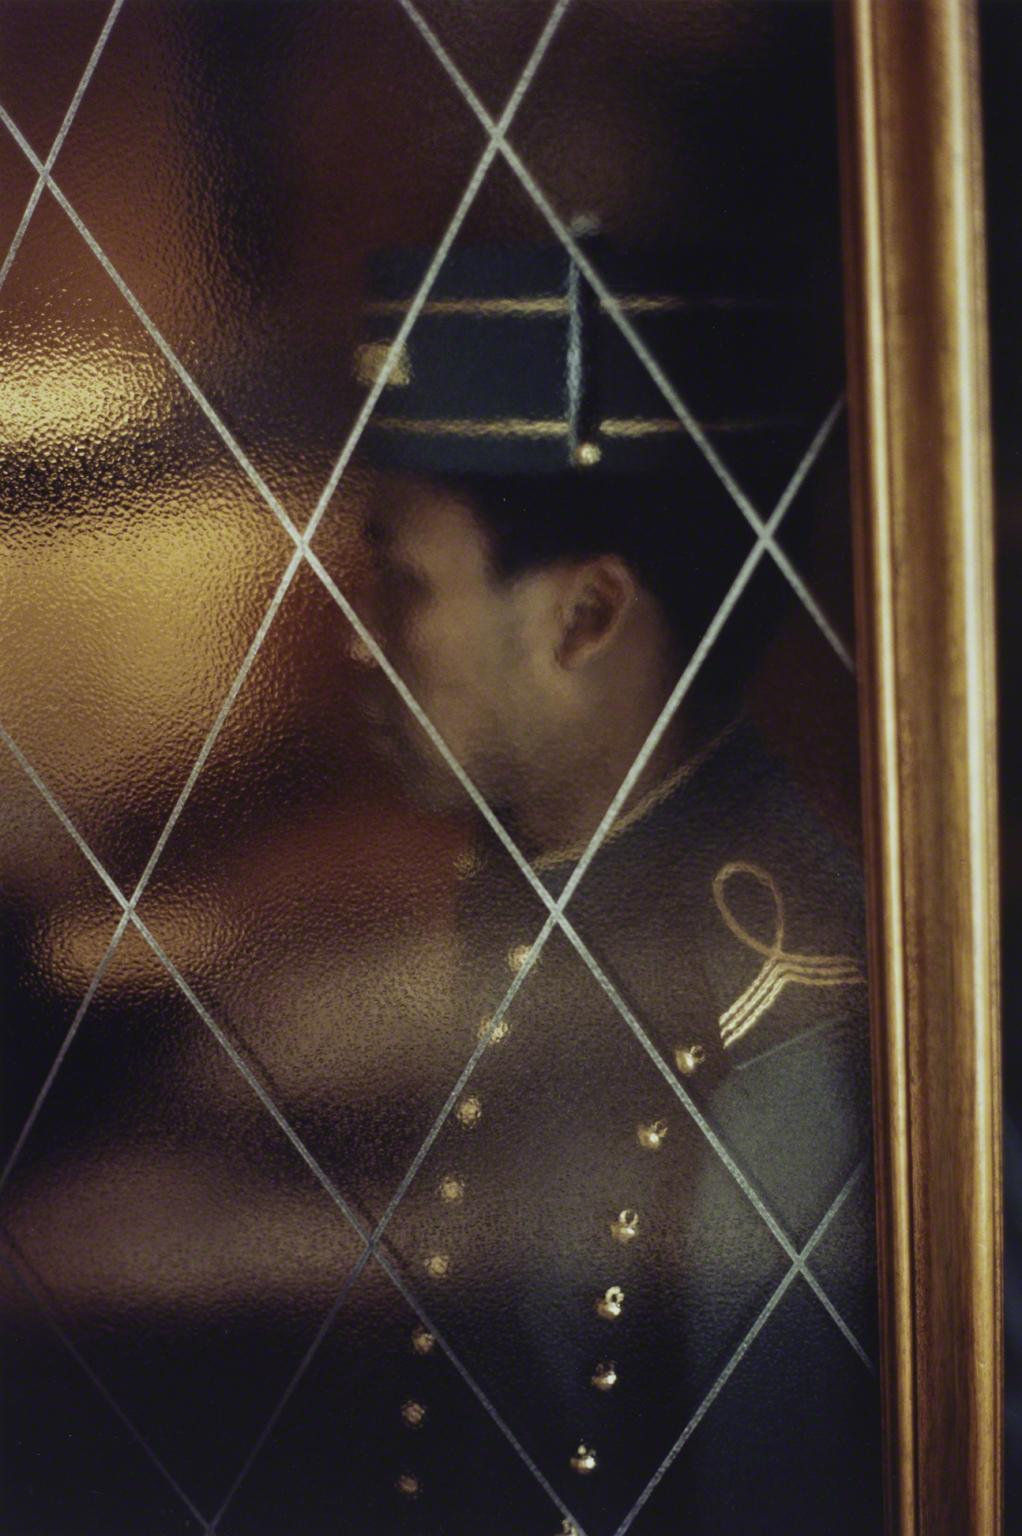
431,1101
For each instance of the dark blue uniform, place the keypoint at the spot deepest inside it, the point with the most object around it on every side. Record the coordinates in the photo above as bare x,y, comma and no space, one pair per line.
605,1229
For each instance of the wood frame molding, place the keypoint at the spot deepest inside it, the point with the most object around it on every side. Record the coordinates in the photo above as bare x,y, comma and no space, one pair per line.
912,192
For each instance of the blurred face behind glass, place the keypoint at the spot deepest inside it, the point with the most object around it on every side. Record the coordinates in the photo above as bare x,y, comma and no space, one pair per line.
543,684
470,646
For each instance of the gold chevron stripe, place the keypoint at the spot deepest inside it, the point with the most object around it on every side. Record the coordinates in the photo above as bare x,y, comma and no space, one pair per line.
831,972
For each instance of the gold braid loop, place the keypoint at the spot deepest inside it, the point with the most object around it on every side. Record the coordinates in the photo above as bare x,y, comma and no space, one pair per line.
779,967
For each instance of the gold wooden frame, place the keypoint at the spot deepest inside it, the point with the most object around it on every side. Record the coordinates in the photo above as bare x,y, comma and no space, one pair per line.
916,308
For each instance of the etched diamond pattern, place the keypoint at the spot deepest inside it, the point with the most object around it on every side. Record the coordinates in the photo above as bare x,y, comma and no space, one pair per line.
382,1243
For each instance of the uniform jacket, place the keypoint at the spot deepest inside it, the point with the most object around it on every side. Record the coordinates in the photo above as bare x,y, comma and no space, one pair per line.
602,1222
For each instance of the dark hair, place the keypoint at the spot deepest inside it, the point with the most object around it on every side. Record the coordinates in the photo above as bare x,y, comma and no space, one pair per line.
686,561
685,554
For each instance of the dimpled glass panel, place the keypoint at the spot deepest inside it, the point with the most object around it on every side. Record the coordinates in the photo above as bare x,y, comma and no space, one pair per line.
436,1091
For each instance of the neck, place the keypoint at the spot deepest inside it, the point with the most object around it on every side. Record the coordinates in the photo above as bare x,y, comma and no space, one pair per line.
590,771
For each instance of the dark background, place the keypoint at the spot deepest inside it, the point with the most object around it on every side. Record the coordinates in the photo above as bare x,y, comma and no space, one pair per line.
1001,41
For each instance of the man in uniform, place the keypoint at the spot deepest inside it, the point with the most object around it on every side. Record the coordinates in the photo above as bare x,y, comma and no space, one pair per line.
645,1229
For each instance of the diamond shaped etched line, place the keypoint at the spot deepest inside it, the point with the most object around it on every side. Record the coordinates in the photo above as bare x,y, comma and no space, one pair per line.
427,1322
742,1350
764,542
55,148
629,332
779,511
46,1311
556,908
300,540
495,132
129,912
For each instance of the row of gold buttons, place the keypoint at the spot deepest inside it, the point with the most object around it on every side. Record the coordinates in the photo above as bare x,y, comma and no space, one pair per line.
414,1413
451,1189
624,1229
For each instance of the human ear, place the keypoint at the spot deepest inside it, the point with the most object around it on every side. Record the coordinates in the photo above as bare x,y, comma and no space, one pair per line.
594,600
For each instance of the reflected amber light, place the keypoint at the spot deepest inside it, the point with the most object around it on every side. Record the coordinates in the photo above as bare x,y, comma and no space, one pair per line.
63,398
128,621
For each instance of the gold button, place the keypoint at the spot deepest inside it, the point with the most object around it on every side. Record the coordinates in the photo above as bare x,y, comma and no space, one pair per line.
652,1136
413,1414
452,1188
469,1112
438,1266
584,1460
689,1059
409,1485
517,957
587,455
360,653
625,1227
423,1341
604,1377
609,1305
468,862
501,1032
568,1528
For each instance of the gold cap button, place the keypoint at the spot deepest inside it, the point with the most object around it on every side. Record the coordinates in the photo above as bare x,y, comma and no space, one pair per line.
587,455
409,1485
584,1460
609,1305
625,1227
568,1528
423,1341
469,1112
689,1059
438,1266
604,1377
652,1136
413,1414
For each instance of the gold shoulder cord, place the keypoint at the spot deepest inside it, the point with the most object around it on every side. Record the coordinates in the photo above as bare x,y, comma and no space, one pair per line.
779,966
